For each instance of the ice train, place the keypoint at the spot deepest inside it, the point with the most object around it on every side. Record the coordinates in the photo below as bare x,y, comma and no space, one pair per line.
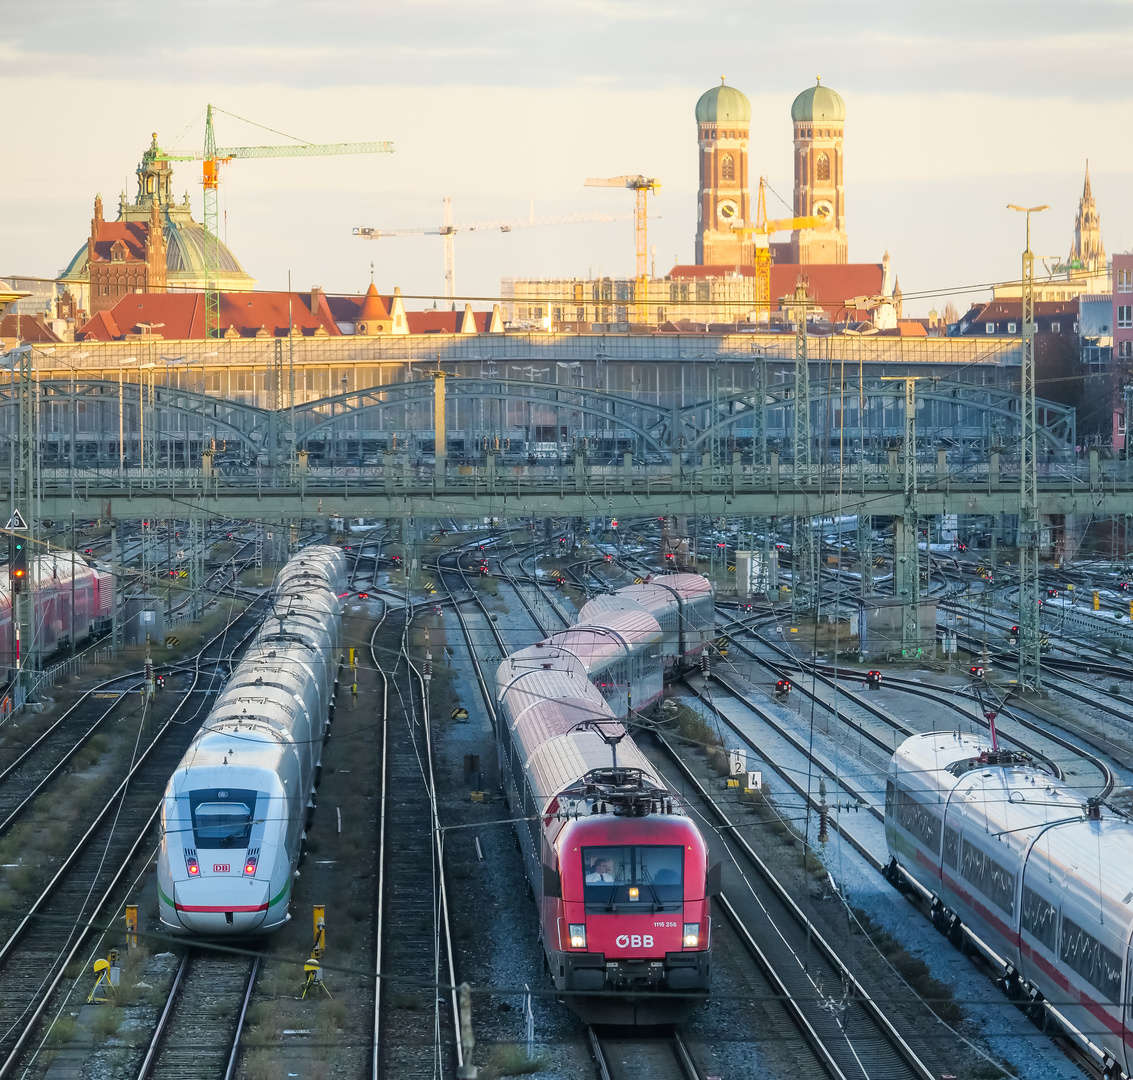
1039,872
619,871
236,809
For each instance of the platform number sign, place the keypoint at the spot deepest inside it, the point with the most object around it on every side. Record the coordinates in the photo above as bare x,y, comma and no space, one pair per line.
737,760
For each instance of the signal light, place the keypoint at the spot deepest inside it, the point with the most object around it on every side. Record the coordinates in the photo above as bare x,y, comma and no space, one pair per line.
17,562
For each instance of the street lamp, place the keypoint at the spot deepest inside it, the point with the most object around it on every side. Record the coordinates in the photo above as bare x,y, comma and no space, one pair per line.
148,366
121,425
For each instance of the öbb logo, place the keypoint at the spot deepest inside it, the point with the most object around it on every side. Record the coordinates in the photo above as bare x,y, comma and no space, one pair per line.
634,941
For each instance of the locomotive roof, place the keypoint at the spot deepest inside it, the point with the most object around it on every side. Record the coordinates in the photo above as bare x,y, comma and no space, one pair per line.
561,763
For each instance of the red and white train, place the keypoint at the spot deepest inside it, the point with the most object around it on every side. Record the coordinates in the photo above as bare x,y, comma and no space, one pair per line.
1034,869
619,872
53,591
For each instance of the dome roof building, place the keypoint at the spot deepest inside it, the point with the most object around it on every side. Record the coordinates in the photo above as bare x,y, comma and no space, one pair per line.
184,239
724,203
818,104
723,104
817,117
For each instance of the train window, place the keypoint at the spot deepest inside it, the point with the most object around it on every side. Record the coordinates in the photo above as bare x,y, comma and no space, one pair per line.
651,875
995,881
918,819
222,818
951,846
1039,918
1099,966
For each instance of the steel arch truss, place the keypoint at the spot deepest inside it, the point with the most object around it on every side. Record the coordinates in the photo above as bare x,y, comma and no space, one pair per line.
246,424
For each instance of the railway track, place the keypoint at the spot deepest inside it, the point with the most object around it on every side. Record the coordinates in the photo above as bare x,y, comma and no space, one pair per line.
197,1036
55,925
629,1056
838,1019
418,958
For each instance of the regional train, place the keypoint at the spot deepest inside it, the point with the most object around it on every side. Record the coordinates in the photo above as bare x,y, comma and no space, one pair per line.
1037,871
236,810
54,589
619,871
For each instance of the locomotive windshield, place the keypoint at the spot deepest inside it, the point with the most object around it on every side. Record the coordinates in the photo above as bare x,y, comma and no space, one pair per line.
222,818
632,875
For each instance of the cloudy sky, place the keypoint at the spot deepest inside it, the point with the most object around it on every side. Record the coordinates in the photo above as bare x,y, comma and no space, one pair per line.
508,105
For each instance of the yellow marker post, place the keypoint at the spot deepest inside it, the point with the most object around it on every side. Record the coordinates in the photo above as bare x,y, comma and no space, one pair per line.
131,926
1097,601
319,913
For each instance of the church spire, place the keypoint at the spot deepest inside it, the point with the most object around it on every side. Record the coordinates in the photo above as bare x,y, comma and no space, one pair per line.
1088,252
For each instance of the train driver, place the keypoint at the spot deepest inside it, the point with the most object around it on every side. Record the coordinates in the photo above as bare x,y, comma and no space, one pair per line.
601,870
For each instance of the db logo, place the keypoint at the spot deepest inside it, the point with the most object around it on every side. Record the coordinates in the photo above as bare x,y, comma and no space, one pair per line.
635,941
221,867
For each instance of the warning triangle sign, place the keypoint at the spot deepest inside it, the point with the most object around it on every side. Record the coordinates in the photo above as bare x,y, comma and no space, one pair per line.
16,521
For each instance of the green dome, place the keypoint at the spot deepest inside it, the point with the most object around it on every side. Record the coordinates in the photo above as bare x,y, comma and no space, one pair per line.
723,105
818,103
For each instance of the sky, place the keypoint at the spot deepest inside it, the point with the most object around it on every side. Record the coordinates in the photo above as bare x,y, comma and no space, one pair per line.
507,106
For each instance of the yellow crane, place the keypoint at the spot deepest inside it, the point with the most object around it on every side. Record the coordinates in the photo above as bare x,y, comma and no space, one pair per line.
762,230
642,185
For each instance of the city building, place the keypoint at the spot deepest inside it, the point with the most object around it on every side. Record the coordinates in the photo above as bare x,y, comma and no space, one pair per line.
125,268
1005,317
1085,271
724,201
818,115
250,315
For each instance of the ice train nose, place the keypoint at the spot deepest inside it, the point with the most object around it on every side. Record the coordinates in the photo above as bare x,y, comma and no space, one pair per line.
219,906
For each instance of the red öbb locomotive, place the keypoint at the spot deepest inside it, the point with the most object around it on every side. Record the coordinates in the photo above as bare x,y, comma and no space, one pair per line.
619,872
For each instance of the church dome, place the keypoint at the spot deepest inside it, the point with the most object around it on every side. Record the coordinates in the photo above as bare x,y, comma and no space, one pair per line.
185,260
818,103
723,104
186,257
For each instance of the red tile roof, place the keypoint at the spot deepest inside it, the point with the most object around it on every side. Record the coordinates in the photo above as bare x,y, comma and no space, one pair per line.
132,233
184,315
445,322
27,328
372,308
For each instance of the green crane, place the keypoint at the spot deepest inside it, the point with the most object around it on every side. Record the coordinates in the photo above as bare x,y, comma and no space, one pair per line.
212,157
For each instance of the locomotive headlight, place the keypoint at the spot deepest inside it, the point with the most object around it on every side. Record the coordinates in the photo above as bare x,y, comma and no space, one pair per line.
191,866
578,935
250,865
634,892
692,935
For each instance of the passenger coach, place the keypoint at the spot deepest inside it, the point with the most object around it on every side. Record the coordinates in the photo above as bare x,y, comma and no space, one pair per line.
1039,872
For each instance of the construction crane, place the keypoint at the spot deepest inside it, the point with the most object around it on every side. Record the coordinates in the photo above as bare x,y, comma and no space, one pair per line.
449,230
642,185
762,230
213,157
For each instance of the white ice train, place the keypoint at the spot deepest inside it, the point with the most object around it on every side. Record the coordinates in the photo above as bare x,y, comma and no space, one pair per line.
1036,870
237,808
